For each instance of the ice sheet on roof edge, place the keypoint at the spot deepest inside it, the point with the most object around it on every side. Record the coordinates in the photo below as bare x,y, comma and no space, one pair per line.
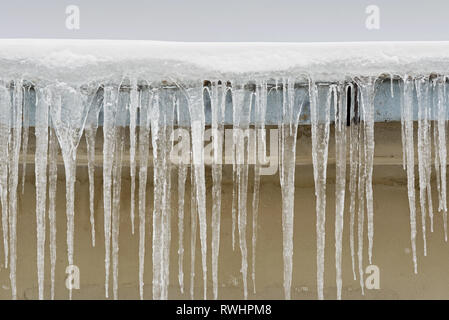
81,61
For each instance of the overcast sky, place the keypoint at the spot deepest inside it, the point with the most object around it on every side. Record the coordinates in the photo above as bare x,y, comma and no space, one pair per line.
227,20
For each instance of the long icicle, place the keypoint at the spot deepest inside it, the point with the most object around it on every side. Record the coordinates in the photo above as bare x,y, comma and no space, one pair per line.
41,132
218,95
242,109
260,158
340,156
144,135
422,90
182,160
52,180
14,152
407,105
320,119
115,219
5,118
90,134
25,132
287,162
134,101
197,116
110,104
442,113
69,110
354,162
367,91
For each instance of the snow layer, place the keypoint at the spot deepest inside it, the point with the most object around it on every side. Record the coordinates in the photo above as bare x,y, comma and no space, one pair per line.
77,60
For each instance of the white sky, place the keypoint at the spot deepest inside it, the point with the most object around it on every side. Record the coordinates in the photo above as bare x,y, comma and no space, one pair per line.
227,20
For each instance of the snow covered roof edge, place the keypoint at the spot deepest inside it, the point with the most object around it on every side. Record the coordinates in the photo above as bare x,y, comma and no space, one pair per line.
81,61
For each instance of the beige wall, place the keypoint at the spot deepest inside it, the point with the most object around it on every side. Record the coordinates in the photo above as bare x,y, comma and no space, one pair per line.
391,244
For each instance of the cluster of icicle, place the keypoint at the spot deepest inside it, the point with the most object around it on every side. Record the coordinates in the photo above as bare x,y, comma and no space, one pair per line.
63,113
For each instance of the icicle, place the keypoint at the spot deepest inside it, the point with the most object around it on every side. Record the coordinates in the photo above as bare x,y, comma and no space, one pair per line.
361,192
41,132
193,231
26,127
134,97
161,131
182,175
115,219
422,90
407,106
110,105
196,108
435,146
91,133
13,173
144,134
367,99
260,157
287,163
241,103
217,96
441,87
340,156
354,162
5,136
320,119
68,110
52,179
391,85
234,198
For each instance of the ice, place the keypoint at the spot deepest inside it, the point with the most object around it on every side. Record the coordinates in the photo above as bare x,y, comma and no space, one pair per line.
14,151
407,106
134,99
422,90
260,156
5,109
41,131
162,121
25,132
340,108
196,108
110,106
52,180
361,209
217,98
367,91
183,161
193,231
119,145
90,134
242,102
353,162
144,134
291,110
320,120
442,152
